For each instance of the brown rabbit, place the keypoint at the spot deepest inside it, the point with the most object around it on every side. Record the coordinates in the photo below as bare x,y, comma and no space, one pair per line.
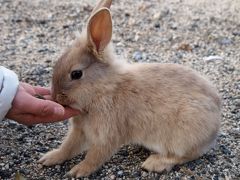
167,108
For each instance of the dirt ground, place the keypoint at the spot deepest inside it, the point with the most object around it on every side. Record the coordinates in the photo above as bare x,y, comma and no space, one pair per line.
203,34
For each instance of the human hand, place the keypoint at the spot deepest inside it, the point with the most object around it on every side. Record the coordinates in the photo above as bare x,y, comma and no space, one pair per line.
28,109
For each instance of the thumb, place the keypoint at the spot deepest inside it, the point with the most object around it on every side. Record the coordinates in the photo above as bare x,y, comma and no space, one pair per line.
42,107
48,107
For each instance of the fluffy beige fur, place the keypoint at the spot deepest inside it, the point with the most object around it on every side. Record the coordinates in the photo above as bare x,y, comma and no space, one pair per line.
167,108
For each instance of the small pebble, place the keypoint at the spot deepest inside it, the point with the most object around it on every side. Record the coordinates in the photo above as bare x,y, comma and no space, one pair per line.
174,26
225,41
157,25
120,173
212,58
40,166
236,33
58,167
137,55
224,149
144,174
112,177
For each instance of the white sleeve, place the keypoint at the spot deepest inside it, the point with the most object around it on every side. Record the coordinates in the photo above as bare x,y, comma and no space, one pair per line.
8,88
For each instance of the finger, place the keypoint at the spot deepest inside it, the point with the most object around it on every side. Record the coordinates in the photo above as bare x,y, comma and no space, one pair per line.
36,89
68,113
31,119
28,119
27,87
41,107
42,90
48,97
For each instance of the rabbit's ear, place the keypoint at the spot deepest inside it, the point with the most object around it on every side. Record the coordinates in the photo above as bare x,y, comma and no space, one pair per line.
99,29
102,4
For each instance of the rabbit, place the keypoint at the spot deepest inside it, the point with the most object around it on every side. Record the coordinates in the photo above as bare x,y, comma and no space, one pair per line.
168,108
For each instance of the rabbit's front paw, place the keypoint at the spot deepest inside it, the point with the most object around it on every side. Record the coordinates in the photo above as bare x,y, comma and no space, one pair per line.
155,163
81,170
53,157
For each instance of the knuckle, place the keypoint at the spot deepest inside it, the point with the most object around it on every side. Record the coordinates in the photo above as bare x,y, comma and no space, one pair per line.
46,109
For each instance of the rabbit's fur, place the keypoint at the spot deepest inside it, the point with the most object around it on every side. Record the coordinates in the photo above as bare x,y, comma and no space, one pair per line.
167,108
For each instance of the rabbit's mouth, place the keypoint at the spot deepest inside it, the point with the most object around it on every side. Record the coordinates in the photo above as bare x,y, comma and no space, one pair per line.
64,100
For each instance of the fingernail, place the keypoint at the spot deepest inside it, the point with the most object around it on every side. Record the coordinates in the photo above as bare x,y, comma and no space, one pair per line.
59,111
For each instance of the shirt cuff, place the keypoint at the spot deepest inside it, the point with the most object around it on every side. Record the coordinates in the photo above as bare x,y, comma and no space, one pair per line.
8,88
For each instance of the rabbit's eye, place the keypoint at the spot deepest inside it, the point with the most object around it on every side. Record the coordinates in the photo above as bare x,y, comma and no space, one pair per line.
77,74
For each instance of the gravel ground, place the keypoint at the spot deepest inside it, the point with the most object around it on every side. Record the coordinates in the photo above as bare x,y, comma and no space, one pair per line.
204,35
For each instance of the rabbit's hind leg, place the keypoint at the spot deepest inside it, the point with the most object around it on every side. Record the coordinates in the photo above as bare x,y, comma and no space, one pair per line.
158,163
